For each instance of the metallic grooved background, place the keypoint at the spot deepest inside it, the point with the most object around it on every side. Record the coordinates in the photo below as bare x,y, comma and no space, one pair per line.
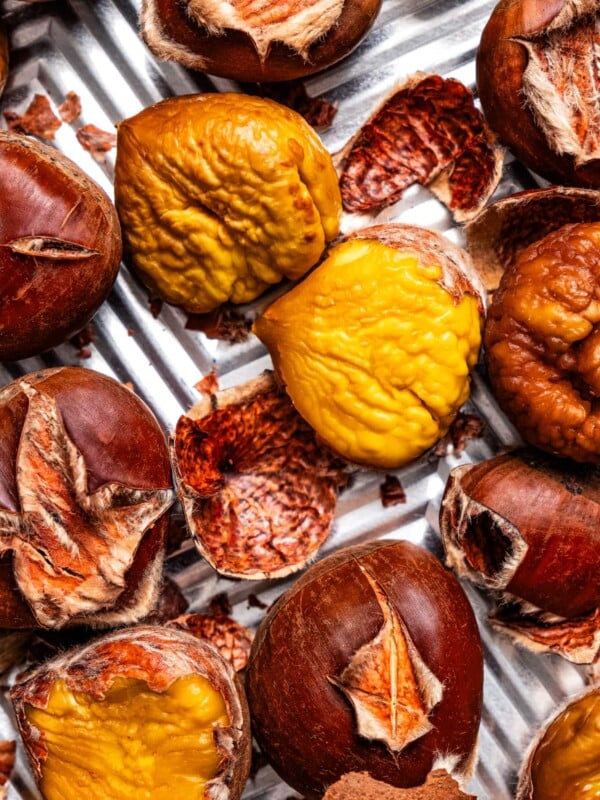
92,47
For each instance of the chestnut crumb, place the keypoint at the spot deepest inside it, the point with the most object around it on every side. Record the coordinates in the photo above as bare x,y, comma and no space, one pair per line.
317,111
392,492
464,428
70,109
38,120
225,322
209,384
360,786
96,141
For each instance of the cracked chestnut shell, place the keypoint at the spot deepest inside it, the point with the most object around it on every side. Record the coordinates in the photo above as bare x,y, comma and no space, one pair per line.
370,662
542,342
84,486
537,84
562,761
248,40
527,527
141,712
60,247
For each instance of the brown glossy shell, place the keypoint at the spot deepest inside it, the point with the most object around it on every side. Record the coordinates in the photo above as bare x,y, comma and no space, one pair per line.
120,441
60,247
171,31
158,656
305,724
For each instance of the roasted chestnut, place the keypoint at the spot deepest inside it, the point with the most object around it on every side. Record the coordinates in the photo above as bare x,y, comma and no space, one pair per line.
84,486
527,527
533,78
145,712
370,662
563,760
60,247
256,41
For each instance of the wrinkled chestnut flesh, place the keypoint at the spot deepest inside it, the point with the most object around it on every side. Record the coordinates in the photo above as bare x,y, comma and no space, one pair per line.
133,743
565,762
527,527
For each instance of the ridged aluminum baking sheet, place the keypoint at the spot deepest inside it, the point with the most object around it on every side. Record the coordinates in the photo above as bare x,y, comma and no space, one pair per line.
92,47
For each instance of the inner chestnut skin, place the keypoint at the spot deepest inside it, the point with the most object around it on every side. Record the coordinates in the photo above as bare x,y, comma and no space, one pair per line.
304,724
120,440
564,763
232,54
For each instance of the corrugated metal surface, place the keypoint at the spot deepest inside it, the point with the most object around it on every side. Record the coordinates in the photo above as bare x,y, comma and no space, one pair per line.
92,47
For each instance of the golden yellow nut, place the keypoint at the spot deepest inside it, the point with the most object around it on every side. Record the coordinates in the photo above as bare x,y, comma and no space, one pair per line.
221,195
375,346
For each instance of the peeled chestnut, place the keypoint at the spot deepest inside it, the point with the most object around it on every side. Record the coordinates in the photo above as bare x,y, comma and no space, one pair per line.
370,662
533,77
61,247
144,713
84,486
527,526
563,760
249,40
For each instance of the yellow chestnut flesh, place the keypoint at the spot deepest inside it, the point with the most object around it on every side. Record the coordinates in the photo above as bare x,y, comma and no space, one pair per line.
134,743
566,763
374,351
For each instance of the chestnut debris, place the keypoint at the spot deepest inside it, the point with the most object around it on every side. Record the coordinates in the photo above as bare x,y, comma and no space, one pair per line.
527,527
143,713
257,489
427,132
84,489
60,247
249,40
38,119
497,235
542,342
370,662
562,761
538,85
359,786
7,762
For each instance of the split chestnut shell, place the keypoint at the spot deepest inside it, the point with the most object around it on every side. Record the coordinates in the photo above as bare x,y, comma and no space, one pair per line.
370,662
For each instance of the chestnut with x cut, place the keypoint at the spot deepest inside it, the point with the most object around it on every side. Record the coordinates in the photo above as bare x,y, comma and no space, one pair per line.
370,662
84,487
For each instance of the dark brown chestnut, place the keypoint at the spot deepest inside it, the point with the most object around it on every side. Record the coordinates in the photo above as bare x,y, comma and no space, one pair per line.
60,247
533,67
248,40
527,526
370,662
84,486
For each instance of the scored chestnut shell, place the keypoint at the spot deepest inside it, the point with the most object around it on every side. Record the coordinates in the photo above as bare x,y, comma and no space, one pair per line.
248,40
257,488
159,708
84,486
527,526
562,761
534,64
370,662
60,247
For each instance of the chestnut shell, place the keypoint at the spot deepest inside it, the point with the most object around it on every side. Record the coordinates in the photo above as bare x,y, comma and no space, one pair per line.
304,724
120,440
47,296
171,33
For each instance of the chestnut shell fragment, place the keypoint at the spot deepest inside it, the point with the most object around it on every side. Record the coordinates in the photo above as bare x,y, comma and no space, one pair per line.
60,247
429,132
527,527
78,448
335,621
257,489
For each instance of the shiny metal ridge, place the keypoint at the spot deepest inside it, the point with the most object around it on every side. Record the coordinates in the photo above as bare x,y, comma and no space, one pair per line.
92,47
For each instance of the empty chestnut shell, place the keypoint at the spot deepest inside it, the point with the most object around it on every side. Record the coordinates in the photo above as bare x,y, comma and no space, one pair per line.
527,526
370,662
562,761
255,41
84,486
60,247
141,712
